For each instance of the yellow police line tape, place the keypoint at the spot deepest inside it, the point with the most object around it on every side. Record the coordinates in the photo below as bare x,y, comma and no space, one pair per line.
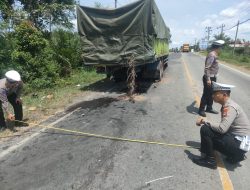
110,137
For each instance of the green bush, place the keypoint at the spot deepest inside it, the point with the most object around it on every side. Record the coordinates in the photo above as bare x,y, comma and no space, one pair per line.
66,47
6,48
239,51
43,60
245,59
34,57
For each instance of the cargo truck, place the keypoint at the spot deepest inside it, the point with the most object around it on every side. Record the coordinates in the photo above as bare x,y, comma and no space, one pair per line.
185,48
113,37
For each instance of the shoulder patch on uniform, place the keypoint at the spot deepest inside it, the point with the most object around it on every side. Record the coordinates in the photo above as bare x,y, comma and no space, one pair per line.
225,111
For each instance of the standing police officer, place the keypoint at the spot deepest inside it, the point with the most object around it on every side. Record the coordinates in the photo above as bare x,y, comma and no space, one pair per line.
230,137
210,74
10,91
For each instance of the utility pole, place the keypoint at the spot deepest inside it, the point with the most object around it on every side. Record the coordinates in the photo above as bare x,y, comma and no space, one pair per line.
195,48
236,35
208,30
115,3
238,23
222,26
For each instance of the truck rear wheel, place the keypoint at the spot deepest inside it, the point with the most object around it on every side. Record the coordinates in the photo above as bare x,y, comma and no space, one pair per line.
120,75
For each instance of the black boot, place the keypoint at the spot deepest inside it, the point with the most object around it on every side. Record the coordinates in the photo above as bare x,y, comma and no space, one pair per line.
202,113
21,124
2,128
211,111
208,162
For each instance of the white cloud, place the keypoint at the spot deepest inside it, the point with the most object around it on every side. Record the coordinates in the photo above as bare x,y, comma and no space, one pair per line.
230,12
229,17
242,8
207,22
190,26
210,20
189,32
74,22
209,1
175,43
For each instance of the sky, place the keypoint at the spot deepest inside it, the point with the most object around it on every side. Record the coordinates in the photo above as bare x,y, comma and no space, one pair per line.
188,19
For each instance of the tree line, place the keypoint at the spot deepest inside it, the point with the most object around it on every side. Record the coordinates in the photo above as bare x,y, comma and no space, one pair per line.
38,39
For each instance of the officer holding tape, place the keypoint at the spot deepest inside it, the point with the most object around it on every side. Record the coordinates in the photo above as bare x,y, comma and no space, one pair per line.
210,74
10,91
231,136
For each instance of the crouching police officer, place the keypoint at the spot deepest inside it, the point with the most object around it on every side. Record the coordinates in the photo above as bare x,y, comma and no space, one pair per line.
10,91
231,136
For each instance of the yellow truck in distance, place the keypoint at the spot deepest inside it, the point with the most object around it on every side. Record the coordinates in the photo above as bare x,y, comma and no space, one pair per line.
185,48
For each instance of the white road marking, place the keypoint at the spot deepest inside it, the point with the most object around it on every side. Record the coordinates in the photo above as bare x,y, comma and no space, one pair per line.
19,144
230,68
235,70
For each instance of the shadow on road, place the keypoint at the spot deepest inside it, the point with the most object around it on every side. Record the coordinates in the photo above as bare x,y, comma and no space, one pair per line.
228,166
92,104
107,85
190,155
103,85
192,109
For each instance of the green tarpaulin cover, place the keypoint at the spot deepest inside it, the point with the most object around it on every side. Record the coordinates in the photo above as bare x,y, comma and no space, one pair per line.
115,36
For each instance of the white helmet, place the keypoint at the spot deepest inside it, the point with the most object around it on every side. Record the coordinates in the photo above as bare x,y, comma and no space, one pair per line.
218,43
13,76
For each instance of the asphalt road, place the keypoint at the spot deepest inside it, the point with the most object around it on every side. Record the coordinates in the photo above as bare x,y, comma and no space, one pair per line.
165,113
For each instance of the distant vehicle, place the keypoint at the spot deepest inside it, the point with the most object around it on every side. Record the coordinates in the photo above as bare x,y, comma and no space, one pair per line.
185,48
111,38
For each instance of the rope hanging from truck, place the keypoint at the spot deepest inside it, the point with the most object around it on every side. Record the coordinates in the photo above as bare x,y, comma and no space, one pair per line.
131,75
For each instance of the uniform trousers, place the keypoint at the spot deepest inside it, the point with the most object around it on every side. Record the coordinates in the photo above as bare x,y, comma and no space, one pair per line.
227,144
207,99
18,109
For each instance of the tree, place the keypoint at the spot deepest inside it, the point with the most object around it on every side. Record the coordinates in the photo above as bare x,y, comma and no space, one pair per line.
67,50
34,57
224,37
42,13
98,5
6,8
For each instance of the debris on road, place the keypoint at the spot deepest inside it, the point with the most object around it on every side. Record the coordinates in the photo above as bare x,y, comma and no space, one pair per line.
149,182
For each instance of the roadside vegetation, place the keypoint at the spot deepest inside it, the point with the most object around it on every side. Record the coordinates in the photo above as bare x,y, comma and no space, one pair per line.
239,57
38,40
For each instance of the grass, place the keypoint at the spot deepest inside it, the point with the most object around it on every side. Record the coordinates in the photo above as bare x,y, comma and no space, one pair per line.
240,60
62,94
41,104
236,59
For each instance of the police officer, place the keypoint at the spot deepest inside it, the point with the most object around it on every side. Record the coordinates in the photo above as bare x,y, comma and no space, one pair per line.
210,74
10,91
231,136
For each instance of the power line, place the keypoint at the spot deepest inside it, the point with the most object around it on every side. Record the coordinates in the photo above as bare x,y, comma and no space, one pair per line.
237,24
222,26
245,21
